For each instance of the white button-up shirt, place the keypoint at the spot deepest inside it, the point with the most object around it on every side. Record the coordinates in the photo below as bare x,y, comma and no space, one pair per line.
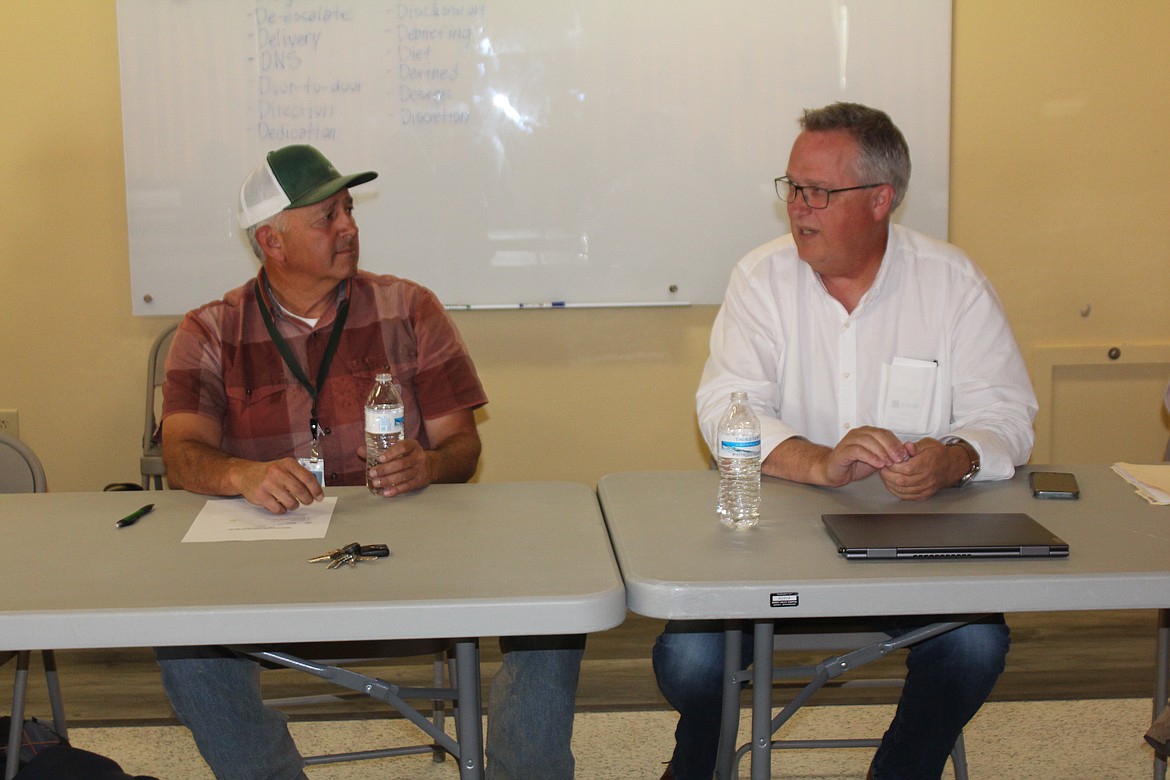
926,352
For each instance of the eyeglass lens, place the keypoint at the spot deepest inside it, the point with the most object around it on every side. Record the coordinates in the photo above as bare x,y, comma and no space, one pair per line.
814,197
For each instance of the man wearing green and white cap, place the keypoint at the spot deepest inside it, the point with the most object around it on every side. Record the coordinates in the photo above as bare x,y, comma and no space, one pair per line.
264,398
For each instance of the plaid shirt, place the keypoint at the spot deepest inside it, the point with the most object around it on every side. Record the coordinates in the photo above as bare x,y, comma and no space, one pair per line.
224,365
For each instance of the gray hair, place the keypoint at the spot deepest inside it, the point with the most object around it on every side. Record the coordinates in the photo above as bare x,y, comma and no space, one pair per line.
884,155
277,223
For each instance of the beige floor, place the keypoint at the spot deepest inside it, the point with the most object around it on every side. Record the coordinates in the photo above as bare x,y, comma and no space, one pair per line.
1070,740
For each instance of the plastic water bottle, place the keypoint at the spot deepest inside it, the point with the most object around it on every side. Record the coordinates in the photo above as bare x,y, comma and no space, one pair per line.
738,505
384,421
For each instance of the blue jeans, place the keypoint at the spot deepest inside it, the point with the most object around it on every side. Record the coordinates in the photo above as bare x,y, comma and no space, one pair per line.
948,678
530,708
216,695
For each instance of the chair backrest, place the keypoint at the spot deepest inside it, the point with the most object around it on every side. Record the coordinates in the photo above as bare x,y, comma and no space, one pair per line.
156,372
20,469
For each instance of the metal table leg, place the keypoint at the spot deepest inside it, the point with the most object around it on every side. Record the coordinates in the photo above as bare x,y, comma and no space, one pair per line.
468,721
762,701
732,653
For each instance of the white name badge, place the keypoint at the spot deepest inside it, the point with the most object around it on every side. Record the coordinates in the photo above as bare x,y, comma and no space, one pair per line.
316,466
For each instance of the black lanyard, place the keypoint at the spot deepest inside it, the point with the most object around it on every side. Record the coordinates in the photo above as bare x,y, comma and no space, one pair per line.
290,359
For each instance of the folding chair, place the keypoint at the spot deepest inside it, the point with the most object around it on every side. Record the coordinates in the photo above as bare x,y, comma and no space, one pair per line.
151,463
21,472
857,644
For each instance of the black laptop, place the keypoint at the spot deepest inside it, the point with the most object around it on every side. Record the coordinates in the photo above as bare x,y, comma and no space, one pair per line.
943,535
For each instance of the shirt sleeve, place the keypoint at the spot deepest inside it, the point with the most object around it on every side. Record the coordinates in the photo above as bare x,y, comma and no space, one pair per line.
747,340
194,375
446,380
993,404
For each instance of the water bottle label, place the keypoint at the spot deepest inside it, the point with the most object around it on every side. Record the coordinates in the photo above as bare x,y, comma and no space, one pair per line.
379,421
739,448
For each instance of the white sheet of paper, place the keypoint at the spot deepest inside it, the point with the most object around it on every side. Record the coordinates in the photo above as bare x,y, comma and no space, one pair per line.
235,520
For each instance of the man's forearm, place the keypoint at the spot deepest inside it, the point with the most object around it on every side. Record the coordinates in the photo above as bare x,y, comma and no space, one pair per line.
199,468
796,459
456,458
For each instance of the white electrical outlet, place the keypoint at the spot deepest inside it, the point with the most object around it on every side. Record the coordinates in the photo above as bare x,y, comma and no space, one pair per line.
10,423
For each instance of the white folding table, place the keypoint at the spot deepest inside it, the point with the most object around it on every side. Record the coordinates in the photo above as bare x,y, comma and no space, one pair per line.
467,561
678,562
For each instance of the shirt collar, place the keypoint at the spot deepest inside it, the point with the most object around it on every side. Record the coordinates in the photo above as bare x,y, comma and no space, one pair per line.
883,273
343,289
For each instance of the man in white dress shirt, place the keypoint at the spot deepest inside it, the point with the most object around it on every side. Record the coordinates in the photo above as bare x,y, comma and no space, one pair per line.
867,350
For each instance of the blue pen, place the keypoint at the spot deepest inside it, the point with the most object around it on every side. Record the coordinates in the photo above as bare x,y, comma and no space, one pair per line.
133,517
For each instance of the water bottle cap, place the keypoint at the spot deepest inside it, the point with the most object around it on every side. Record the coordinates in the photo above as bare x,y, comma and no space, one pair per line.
384,377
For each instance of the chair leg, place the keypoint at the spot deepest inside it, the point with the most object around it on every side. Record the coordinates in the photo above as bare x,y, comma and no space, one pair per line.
453,684
959,758
11,764
16,727
53,683
438,707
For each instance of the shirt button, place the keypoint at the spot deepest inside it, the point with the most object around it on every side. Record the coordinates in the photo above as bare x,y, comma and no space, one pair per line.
847,426
845,375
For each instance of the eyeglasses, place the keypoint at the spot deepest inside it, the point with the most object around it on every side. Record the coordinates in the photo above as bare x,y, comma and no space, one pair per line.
814,197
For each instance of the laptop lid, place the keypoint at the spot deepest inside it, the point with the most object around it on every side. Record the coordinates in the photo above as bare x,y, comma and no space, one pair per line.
943,535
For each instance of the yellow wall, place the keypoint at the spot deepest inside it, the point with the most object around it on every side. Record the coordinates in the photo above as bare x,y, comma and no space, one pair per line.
1060,169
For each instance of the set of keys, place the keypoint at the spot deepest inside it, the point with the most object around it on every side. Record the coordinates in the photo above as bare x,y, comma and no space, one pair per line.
352,554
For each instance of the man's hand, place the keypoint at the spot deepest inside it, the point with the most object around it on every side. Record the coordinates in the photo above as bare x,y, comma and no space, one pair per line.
402,468
278,485
859,454
931,467
453,456
194,461
909,470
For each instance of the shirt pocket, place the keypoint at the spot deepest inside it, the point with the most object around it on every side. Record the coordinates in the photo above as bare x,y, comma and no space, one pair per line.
259,410
906,402
348,390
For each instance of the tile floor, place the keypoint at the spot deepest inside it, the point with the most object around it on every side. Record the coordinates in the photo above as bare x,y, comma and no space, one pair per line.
1070,740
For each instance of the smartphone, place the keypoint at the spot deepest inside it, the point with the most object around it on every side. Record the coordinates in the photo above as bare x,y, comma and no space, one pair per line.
1054,484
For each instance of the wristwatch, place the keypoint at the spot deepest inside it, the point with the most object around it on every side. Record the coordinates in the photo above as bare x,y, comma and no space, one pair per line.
972,453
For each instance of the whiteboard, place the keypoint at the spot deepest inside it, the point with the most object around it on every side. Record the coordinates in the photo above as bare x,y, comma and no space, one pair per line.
614,152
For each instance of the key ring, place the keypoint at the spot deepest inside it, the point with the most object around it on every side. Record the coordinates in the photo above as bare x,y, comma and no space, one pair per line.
351,554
